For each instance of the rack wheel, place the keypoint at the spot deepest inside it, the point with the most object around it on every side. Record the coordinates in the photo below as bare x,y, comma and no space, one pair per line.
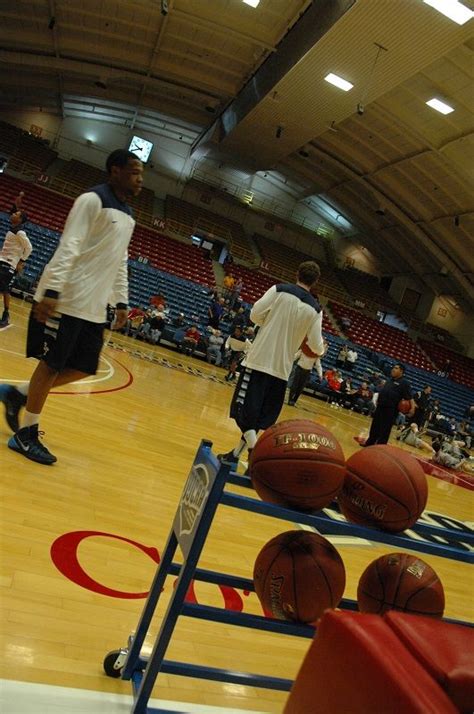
113,663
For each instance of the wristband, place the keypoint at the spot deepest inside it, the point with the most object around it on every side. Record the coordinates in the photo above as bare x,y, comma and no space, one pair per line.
121,306
51,294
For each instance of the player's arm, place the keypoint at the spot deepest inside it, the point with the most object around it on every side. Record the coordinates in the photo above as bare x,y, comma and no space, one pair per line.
314,337
78,224
262,307
120,294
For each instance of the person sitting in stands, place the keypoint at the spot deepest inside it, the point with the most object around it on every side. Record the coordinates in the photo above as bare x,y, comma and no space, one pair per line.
214,353
351,359
346,392
334,381
179,320
134,320
342,356
191,340
363,399
237,345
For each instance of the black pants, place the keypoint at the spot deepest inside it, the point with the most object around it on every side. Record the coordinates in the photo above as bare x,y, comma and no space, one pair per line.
382,423
257,401
300,379
419,417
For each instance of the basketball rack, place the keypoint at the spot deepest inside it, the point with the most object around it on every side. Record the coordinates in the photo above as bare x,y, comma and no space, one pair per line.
204,491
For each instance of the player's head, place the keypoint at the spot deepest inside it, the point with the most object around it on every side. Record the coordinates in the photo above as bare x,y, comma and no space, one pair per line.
398,370
125,172
18,218
308,273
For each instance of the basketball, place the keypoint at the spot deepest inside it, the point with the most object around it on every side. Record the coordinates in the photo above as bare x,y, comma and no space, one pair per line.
298,575
400,582
384,487
299,464
404,406
305,349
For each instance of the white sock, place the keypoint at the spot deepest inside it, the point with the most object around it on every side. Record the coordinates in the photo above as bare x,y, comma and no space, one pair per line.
250,438
238,449
23,388
30,419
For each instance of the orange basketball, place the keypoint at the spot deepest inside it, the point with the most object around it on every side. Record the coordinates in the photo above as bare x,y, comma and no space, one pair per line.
400,582
384,487
298,575
404,406
297,463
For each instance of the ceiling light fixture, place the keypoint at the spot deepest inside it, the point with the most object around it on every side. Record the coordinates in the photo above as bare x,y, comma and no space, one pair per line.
338,82
252,3
440,106
453,9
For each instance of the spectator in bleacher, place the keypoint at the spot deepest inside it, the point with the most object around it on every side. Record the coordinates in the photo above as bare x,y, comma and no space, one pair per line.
334,380
236,290
363,399
395,389
346,322
216,312
342,357
303,368
239,320
134,320
285,314
191,340
215,343
14,253
88,270
179,320
445,370
351,359
422,400
228,285
346,393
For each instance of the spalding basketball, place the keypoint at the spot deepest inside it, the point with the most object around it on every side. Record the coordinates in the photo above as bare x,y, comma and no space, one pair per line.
384,487
298,575
299,464
404,406
400,582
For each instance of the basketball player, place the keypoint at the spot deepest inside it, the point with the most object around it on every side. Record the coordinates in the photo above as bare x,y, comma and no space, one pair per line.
285,314
394,389
88,270
14,253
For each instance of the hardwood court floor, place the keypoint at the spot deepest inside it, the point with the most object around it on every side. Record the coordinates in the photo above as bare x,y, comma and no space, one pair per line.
125,441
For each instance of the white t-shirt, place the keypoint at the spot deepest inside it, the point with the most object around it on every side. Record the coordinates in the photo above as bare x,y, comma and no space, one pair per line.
16,247
89,267
286,314
351,356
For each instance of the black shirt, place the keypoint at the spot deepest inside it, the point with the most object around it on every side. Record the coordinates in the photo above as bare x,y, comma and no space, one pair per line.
392,392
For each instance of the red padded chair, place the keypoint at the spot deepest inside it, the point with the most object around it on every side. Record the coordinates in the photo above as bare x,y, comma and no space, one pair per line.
400,664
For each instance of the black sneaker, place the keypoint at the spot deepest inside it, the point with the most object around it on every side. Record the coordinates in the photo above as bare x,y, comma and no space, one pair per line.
26,441
14,401
229,457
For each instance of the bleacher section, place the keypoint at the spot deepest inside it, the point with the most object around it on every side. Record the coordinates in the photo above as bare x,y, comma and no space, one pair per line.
187,261
462,367
43,207
366,288
186,219
254,282
381,338
24,152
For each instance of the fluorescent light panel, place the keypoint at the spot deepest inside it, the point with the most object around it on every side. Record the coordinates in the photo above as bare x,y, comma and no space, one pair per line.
252,3
453,9
440,106
338,81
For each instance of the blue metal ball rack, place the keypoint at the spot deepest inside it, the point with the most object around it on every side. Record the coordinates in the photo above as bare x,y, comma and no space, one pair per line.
203,492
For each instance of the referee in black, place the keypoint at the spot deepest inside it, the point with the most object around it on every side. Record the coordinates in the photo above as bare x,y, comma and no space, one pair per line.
394,389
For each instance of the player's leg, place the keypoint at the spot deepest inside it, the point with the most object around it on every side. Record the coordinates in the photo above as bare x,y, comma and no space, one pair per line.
68,349
245,410
6,277
375,427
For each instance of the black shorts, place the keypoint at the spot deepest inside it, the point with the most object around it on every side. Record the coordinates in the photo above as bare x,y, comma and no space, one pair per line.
257,400
65,342
7,273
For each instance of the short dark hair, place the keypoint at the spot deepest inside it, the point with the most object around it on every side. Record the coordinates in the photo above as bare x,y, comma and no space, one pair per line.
400,365
308,272
119,157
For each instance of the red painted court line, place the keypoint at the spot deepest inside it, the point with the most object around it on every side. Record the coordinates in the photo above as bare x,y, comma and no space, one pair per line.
459,478
104,391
